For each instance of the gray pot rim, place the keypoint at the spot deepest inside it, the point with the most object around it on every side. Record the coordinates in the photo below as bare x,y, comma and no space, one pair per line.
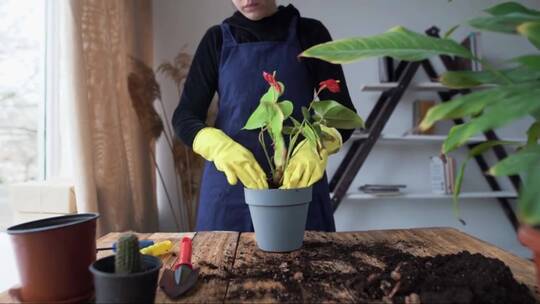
271,197
277,190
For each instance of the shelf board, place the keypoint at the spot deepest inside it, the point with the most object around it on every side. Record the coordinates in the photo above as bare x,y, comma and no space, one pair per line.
419,86
464,195
425,138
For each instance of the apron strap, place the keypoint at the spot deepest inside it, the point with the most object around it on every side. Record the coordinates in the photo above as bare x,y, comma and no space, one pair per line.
291,36
228,38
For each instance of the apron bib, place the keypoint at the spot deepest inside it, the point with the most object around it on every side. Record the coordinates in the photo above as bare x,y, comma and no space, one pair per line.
222,206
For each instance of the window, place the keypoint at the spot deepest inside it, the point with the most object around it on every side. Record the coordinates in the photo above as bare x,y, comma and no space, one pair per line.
22,54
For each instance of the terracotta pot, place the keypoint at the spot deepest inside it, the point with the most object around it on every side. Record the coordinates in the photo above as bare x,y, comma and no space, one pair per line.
530,237
53,256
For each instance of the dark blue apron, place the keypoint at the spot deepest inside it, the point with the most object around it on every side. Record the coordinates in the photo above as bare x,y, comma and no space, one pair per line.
241,85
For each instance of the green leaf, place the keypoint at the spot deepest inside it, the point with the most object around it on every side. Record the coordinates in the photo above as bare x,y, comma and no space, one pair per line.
462,106
296,123
397,42
529,202
475,151
483,147
305,113
308,133
275,128
518,162
337,115
280,151
503,24
288,130
286,108
531,30
532,62
258,118
272,95
469,79
533,133
508,107
276,120
510,7
474,103
450,31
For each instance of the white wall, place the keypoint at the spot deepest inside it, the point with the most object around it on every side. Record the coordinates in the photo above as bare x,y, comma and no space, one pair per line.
182,23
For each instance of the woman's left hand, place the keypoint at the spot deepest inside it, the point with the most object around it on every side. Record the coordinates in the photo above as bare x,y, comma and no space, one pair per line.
305,167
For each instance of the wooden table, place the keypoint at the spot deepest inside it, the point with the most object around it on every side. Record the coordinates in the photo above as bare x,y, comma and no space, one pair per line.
219,253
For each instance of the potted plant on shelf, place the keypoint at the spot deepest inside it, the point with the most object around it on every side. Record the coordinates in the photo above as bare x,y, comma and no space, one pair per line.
514,94
128,276
279,215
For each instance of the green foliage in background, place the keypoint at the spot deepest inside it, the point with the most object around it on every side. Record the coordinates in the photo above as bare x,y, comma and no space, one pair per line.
513,93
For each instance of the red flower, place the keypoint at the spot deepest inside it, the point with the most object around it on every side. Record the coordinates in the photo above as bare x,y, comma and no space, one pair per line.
331,84
271,79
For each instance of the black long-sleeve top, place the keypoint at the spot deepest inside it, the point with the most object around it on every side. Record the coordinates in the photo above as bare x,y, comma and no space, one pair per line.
202,80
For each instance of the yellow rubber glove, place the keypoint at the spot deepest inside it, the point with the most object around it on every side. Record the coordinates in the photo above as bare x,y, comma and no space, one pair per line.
230,158
306,166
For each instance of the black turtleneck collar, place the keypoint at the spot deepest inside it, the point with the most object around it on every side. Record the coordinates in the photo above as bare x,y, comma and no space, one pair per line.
277,22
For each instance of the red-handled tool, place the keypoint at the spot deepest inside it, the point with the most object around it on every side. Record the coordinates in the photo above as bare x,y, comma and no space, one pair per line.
183,266
182,277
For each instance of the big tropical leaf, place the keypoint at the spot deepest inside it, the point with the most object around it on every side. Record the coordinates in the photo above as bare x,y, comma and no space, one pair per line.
516,104
532,62
397,42
504,24
473,103
509,8
531,30
477,150
336,115
517,163
470,79
462,106
529,198
533,133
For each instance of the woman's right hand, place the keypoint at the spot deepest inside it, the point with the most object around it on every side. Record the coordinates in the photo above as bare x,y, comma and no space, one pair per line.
230,157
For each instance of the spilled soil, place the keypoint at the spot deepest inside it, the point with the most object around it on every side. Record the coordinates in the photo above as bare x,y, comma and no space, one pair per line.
369,273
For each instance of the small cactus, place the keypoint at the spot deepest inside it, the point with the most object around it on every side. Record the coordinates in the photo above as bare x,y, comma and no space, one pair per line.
128,258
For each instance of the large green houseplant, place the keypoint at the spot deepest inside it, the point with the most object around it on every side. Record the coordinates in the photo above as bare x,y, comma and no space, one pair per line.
514,94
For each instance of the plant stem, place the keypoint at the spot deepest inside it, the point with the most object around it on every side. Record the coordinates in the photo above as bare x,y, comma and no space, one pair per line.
262,142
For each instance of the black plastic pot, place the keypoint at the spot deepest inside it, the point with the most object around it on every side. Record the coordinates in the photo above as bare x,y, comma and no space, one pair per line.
137,287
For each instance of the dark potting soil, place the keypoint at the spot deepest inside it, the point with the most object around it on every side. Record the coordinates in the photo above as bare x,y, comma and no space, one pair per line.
372,273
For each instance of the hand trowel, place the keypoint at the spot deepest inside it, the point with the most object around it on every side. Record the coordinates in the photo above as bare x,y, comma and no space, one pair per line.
177,281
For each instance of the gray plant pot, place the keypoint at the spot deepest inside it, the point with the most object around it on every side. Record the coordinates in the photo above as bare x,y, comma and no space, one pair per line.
279,217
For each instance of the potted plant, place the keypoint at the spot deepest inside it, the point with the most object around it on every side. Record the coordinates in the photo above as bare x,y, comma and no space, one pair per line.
279,215
128,276
514,94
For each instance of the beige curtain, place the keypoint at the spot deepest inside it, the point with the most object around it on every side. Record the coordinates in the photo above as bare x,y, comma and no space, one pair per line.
114,173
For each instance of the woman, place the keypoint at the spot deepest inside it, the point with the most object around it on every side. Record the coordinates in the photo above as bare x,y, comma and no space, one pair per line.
231,58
